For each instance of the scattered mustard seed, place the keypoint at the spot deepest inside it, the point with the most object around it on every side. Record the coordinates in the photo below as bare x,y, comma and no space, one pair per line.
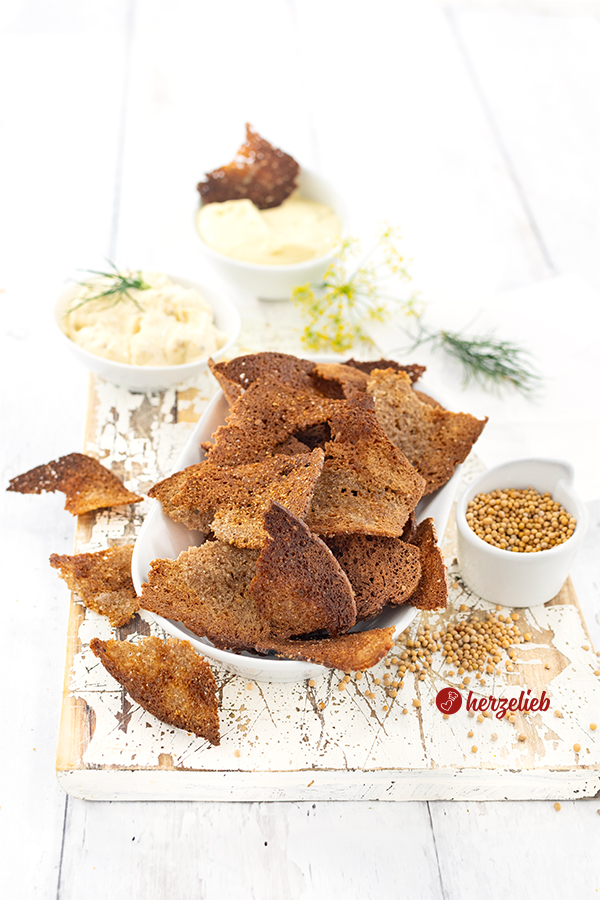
576,747
557,807
522,737
474,748
470,734
311,682
593,726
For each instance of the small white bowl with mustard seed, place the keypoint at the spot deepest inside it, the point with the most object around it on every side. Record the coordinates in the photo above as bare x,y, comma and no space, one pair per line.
519,528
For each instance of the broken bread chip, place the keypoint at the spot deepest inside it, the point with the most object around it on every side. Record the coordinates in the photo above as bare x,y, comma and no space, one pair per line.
381,570
414,371
87,484
367,485
168,678
260,173
103,581
349,652
432,438
265,416
299,581
432,590
238,374
231,500
207,588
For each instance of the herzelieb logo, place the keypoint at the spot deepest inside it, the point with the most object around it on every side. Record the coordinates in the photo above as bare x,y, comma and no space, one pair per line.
448,701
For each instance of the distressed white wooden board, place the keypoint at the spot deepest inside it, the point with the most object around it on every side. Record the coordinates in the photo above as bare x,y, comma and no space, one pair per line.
276,741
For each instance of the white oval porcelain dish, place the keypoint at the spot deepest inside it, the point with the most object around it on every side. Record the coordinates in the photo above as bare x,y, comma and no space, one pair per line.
520,579
276,282
154,378
161,537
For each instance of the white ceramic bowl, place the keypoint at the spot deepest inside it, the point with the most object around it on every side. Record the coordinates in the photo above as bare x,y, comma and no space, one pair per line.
160,537
153,378
520,579
276,282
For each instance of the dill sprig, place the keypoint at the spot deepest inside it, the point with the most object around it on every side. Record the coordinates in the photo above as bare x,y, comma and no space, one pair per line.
340,309
116,286
485,359
341,306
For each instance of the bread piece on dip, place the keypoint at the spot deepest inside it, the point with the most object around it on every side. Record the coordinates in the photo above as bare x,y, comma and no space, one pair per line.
432,590
259,172
381,570
103,581
349,652
367,485
87,484
168,679
432,438
232,500
299,585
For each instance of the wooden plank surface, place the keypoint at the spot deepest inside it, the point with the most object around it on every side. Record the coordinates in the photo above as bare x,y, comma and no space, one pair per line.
297,741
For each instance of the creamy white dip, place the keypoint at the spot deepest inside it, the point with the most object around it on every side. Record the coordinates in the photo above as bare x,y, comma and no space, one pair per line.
167,325
296,231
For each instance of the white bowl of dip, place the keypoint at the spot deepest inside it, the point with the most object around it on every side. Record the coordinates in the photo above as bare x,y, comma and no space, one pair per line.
272,281
147,378
520,579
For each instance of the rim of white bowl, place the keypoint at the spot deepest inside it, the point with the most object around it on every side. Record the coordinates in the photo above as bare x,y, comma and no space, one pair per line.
521,558
178,368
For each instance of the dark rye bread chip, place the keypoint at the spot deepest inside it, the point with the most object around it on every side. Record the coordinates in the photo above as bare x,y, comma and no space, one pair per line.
265,416
259,172
103,581
169,488
414,371
381,570
352,380
432,590
238,374
232,500
367,485
87,484
433,439
348,652
208,589
168,679
299,585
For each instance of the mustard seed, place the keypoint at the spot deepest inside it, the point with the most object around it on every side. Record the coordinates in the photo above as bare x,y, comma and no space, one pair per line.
557,807
522,737
474,748
522,521
593,726
576,747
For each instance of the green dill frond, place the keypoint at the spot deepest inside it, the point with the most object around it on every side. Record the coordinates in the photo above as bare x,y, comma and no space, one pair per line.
116,286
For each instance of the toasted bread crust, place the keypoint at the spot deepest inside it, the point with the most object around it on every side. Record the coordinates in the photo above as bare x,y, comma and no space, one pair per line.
103,581
432,438
381,570
432,590
265,416
414,371
299,585
260,172
232,500
87,484
208,589
348,652
168,679
367,485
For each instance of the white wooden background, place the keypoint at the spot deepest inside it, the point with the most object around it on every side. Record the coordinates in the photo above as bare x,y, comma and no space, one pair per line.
472,125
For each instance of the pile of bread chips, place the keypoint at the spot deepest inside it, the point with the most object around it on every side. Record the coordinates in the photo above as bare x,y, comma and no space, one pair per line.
306,500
